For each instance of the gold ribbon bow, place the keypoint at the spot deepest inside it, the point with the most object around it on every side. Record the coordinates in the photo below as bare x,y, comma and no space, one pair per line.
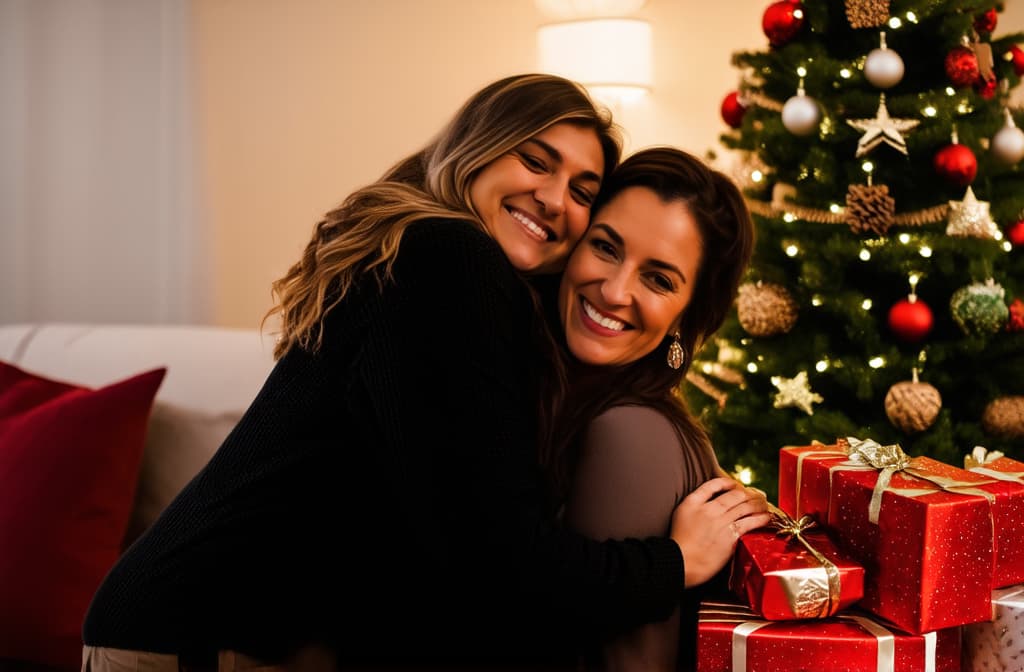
979,457
887,460
814,591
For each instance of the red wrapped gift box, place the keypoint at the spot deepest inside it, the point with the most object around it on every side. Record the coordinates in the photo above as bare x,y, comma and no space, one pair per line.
924,533
794,570
731,638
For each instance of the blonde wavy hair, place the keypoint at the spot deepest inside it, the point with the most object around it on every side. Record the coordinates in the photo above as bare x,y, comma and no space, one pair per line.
363,234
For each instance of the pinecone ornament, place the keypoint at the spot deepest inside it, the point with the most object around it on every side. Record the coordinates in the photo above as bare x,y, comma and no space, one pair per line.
869,208
867,13
912,406
765,309
1004,417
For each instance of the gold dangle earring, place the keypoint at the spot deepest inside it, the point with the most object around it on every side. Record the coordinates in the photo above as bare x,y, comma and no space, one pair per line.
675,352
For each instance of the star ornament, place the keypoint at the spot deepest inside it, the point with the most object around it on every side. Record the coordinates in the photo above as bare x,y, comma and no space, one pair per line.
796,392
882,128
970,218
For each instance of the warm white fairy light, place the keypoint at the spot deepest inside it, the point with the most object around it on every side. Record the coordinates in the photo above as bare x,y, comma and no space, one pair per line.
904,238
912,17
792,250
867,167
876,362
756,176
913,279
789,218
925,251
821,366
743,474
816,300
929,111
835,208
950,91
845,73
752,367
707,368
864,255
866,304
963,107
895,23
1007,246
801,70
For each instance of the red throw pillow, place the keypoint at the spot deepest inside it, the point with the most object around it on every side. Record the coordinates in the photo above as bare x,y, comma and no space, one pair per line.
69,463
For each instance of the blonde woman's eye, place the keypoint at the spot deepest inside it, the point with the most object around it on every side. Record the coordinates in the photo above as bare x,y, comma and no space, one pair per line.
533,163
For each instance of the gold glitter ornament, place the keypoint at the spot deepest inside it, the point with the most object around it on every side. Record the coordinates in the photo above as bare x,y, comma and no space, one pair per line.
765,309
867,13
882,129
869,208
979,309
912,406
796,392
970,217
1004,417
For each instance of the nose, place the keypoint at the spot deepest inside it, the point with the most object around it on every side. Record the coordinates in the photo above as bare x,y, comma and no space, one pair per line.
617,289
551,194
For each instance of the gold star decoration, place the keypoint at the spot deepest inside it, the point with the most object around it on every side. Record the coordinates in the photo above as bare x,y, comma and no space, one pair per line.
970,217
882,128
796,392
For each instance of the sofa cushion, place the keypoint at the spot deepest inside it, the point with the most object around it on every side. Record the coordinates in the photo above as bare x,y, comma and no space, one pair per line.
69,463
180,441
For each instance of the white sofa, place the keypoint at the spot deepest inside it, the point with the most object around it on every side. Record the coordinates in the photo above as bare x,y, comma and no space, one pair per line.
213,373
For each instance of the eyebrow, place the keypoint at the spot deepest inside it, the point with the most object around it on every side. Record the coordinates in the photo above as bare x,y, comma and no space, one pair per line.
617,239
557,156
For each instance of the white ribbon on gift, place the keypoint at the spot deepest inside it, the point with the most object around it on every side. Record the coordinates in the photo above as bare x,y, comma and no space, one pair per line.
747,623
981,456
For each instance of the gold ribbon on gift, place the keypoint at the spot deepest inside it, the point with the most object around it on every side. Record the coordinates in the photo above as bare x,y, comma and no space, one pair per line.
747,623
887,460
812,592
981,456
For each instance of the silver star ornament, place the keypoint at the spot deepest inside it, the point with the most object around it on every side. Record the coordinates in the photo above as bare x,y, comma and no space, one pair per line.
882,128
970,218
796,392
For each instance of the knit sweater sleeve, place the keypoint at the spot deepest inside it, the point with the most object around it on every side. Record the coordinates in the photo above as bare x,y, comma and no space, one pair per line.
451,361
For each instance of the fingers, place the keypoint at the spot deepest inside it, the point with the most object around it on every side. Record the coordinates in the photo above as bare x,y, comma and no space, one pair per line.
708,489
747,523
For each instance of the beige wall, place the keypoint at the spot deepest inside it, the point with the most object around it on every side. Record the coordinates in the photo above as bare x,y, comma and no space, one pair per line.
301,101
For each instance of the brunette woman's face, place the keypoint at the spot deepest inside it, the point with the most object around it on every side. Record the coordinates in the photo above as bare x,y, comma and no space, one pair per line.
626,285
535,200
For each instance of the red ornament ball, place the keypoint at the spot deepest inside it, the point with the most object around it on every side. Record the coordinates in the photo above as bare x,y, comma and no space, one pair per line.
910,320
1016,319
956,164
962,67
986,88
733,110
1016,56
986,21
782,21
1015,233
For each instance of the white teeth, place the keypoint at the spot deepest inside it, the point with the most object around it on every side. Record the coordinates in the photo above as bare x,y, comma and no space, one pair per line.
606,322
529,224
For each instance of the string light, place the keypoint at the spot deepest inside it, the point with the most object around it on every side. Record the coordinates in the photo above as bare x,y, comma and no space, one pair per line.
835,208
864,255
845,73
895,23
950,91
866,304
821,366
904,238
789,218
929,111
792,250
1007,246
752,367
756,176
925,251
867,167
876,362
912,17
744,475
816,300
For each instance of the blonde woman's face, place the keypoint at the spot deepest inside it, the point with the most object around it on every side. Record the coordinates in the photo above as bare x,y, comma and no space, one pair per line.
535,200
626,285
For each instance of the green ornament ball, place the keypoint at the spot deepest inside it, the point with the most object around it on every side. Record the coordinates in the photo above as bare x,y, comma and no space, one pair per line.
979,309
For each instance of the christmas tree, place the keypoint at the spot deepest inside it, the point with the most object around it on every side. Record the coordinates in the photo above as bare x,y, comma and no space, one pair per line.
882,162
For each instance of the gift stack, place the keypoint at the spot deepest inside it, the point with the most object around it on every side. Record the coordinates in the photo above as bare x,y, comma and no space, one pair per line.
877,561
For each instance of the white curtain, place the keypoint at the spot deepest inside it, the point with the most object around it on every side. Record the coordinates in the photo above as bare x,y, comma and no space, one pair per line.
99,216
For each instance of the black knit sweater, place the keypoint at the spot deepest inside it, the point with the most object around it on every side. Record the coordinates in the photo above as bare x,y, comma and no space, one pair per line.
382,496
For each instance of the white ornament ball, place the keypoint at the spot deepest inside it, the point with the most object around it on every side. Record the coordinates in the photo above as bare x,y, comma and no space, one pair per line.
1008,144
801,115
883,68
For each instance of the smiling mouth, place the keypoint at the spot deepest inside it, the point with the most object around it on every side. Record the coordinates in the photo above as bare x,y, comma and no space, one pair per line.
539,232
602,320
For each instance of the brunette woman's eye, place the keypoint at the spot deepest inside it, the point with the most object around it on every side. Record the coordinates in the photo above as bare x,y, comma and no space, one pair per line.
662,282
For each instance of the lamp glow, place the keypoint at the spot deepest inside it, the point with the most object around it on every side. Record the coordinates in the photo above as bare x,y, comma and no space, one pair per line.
611,57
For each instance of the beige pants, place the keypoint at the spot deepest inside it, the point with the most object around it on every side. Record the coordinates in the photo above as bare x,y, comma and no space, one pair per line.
100,659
